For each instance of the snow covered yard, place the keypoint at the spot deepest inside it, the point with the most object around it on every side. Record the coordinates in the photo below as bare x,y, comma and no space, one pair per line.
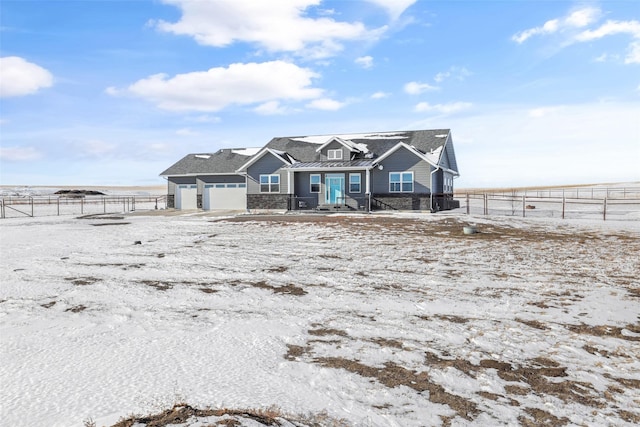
369,320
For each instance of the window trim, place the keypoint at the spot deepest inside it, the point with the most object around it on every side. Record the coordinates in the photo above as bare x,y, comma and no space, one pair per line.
270,183
335,151
311,183
359,183
401,182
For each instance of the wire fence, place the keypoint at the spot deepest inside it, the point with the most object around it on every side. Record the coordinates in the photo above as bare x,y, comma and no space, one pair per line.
34,206
604,204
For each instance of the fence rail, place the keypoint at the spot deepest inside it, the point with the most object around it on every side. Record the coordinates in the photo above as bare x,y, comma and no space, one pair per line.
33,206
619,205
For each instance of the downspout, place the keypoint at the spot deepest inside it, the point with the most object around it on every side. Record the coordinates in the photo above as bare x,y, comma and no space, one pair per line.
368,188
431,192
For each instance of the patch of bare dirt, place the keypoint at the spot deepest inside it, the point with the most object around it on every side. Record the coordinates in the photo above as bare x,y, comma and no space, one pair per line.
48,305
82,281
77,308
538,417
536,324
606,331
289,289
393,375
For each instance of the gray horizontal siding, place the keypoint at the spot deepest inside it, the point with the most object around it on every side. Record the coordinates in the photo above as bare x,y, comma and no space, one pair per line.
266,165
402,160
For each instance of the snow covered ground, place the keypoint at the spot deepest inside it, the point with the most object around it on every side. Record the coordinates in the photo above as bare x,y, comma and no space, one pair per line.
377,320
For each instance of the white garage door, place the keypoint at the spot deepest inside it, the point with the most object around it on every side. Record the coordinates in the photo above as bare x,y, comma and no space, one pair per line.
224,196
187,196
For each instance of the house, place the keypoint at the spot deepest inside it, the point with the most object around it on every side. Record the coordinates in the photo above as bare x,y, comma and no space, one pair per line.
208,181
405,170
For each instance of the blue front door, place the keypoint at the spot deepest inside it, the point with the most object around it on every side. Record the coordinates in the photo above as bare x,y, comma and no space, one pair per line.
334,188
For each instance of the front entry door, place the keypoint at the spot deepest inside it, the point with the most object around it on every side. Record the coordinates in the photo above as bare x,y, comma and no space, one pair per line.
334,188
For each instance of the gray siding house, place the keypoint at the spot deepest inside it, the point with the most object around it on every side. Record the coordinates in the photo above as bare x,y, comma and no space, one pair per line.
208,181
405,170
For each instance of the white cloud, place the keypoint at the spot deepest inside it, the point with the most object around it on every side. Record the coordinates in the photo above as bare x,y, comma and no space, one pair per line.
326,104
577,19
19,154
94,148
277,26
450,108
458,73
544,111
582,18
365,61
610,28
270,108
218,88
394,8
20,77
416,88
187,132
633,57
379,95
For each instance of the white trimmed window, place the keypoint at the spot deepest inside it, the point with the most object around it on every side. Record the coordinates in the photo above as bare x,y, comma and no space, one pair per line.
401,182
269,183
334,154
314,183
354,182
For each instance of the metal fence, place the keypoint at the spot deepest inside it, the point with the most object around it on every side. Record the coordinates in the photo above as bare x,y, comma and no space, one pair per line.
32,206
583,203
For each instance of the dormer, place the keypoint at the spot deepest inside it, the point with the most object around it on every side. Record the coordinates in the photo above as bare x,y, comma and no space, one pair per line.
338,150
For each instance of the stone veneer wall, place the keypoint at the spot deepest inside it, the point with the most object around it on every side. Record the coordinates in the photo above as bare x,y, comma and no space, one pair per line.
403,202
267,201
199,201
171,201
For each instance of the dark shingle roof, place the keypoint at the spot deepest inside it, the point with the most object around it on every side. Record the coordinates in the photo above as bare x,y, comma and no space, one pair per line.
303,148
225,161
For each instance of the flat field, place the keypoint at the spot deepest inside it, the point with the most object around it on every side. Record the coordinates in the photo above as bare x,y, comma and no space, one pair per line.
359,320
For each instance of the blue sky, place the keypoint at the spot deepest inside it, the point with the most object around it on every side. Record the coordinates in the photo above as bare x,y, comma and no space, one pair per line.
114,92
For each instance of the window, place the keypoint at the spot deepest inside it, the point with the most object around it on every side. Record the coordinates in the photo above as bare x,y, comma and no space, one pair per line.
354,183
334,154
269,183
314,181
401,182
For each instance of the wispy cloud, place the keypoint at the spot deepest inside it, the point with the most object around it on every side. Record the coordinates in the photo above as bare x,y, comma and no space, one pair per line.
573,28
449,108
19,154
416,88
365,61
577,19
326,104
380,95
21,77
454,72
271,108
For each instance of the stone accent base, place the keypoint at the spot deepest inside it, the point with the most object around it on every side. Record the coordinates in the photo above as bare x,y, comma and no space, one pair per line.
402,202
171,201
268,201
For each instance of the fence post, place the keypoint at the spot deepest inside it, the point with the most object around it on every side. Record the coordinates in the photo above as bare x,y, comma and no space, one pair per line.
58,206
82,206
604,210
563,204
523,205
467,203
31,207
486,204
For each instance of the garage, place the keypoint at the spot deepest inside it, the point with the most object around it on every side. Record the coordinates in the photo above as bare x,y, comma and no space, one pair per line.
224,196
186,196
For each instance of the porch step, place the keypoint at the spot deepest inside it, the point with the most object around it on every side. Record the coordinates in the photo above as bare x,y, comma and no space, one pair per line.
334,208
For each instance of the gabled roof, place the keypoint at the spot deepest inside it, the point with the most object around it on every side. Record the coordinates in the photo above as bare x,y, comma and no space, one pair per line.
428,144
222,162
283,156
